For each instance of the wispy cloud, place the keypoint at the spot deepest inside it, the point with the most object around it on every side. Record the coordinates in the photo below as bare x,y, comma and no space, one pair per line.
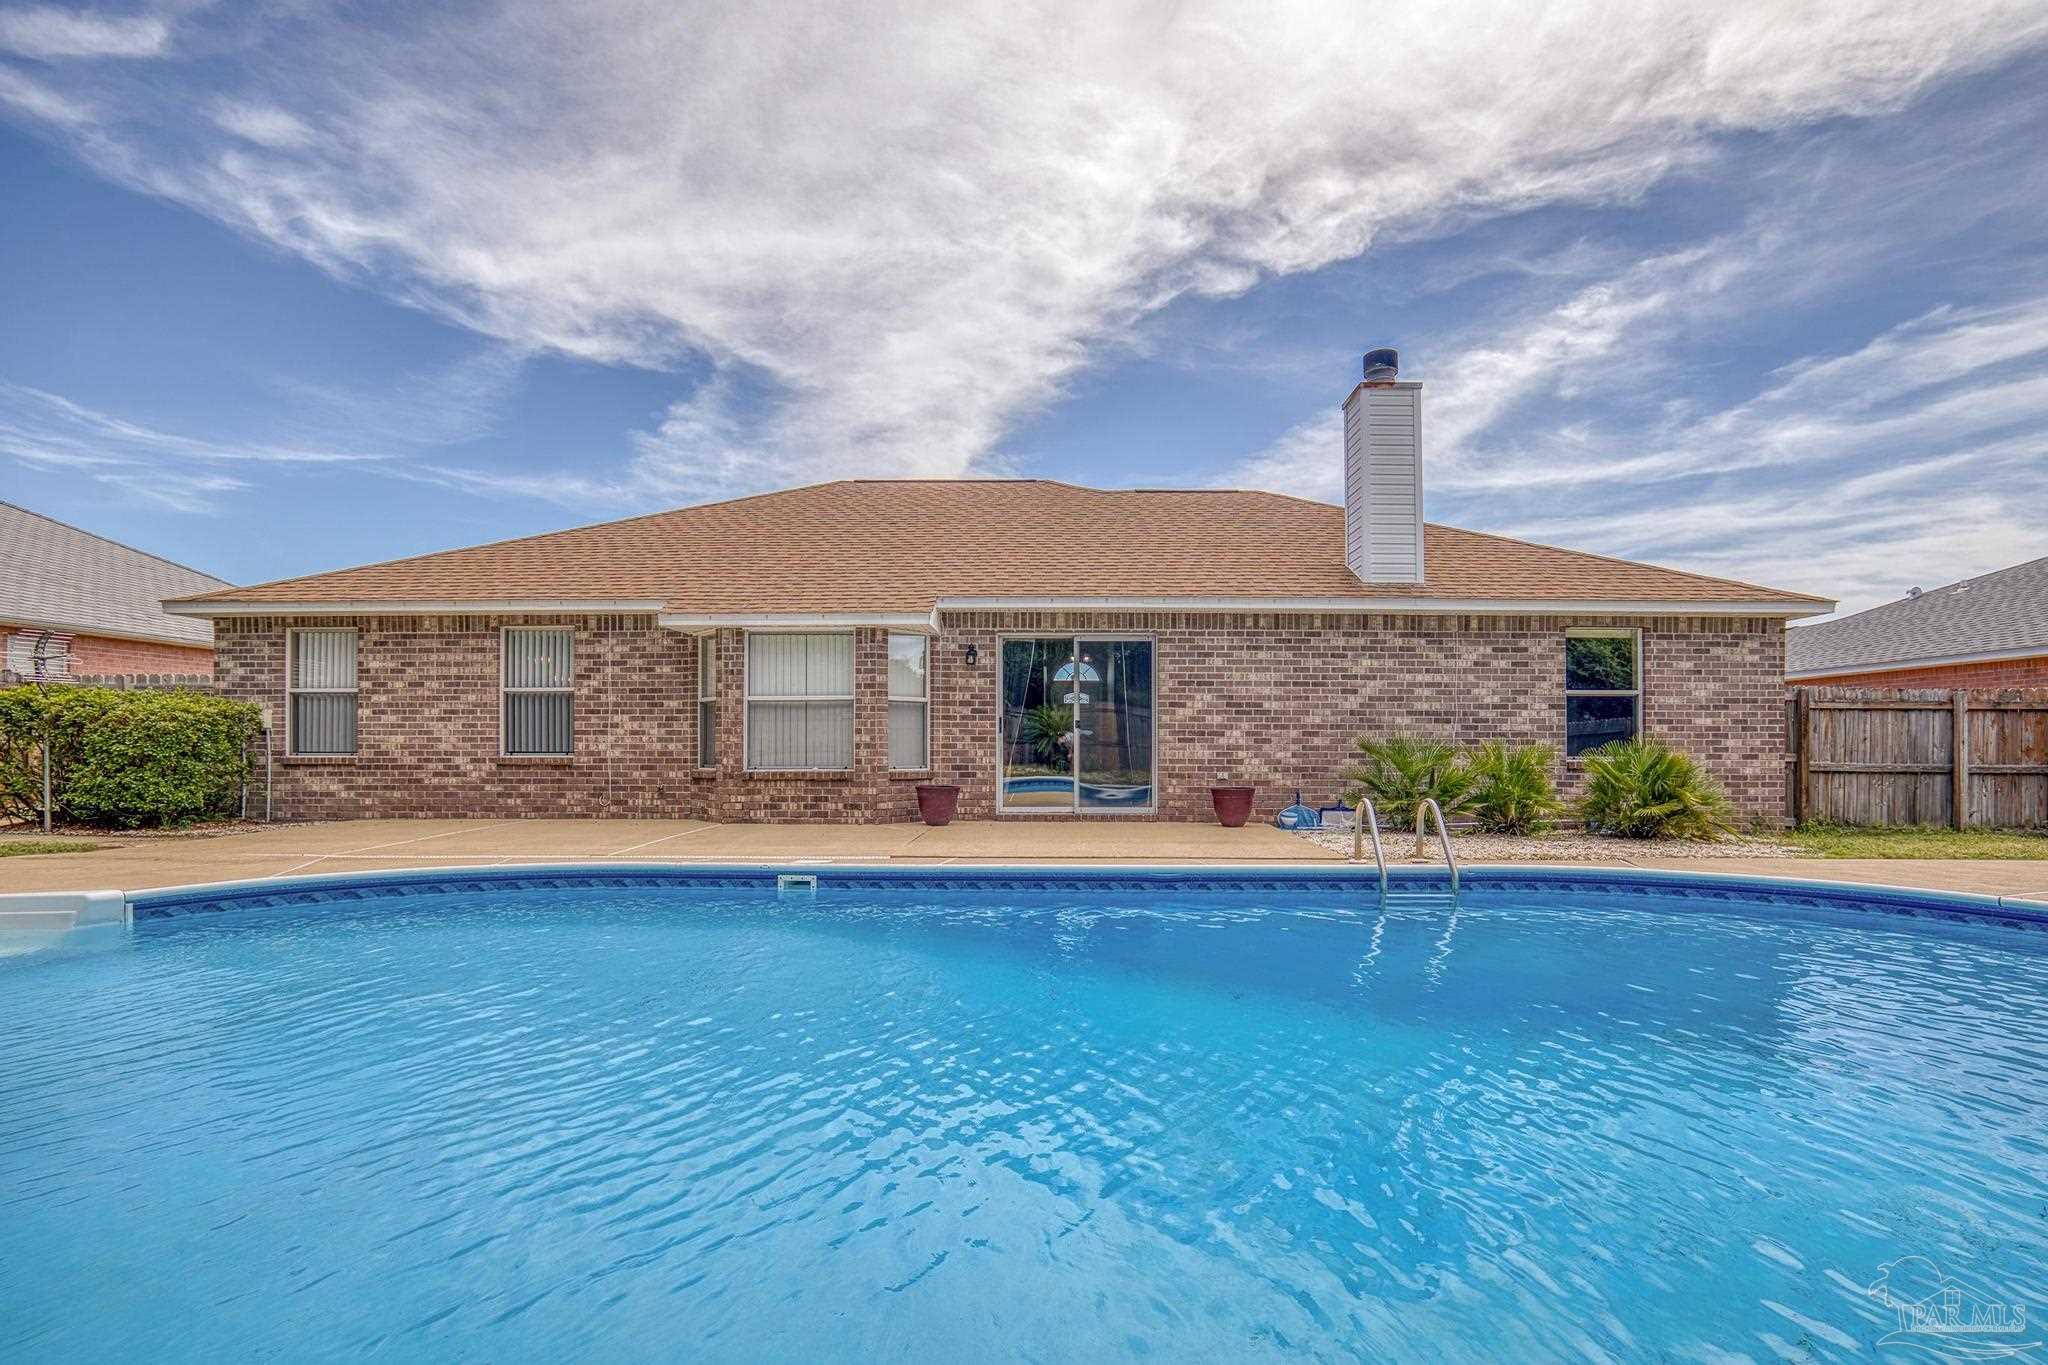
437,405
47,33
37,101
186,473
908,232
1620,406
1919,457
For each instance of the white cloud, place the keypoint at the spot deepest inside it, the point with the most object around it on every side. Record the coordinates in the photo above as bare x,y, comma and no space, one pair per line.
910,231
263,124
47,431
47,33
437,405
1919,457
40,102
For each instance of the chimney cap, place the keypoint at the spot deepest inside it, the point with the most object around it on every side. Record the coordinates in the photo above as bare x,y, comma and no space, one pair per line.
1382,365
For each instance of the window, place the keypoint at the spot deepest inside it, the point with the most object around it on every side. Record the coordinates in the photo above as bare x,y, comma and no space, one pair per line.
540,697
707,701
1602,688
321,715
1076,725
800,701
909,693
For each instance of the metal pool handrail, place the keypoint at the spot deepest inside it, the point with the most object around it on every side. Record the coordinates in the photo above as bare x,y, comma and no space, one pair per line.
1368,820
1443,833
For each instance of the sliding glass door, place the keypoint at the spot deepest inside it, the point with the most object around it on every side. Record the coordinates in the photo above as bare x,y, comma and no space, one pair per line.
1076,722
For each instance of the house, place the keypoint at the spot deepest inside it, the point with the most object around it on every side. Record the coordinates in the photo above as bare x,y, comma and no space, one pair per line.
1054,650
73,604
1986,632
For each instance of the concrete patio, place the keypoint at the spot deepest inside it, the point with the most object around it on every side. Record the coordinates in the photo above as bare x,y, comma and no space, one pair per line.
133,863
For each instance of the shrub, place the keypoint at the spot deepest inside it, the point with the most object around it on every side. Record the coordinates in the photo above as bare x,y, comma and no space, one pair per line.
1400,772
1641,789
1514,794
123,758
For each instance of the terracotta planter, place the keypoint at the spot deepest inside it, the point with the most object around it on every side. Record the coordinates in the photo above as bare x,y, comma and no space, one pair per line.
936,802
1233,805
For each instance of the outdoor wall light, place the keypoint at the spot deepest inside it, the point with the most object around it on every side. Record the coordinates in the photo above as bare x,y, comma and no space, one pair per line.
973,655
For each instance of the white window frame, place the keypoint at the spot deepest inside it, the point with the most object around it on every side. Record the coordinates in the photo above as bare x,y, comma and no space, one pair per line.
748,700
1635,693
292,691
707,695
924,700
504,691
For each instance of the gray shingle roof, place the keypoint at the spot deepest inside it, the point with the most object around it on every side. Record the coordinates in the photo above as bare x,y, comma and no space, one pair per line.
1997,613
58,576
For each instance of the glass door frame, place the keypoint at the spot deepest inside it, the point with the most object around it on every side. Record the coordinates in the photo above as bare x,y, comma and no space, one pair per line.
1074,639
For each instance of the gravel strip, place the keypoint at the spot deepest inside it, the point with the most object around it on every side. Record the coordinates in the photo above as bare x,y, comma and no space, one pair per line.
1560,847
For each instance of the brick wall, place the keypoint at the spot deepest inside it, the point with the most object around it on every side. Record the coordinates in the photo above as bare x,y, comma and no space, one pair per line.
1278,700
1275,700
98,655
101,656
427,717
1987,676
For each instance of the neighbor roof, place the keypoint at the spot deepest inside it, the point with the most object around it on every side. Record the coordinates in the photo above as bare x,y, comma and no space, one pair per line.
61,578
2002,614
906,546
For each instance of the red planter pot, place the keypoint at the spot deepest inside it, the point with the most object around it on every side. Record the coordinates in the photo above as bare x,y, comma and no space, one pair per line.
1233,805
936,802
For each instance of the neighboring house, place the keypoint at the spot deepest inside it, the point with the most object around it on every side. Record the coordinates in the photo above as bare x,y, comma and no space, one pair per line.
1054,650
73,604
1988,632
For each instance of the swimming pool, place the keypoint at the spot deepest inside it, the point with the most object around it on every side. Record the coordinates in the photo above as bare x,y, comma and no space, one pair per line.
994,1114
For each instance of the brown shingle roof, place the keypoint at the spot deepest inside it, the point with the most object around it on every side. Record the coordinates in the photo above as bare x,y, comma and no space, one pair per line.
898,546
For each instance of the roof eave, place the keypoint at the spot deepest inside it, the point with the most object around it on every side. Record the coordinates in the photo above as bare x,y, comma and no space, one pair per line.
1990,656
105,632
1789,608
493,606
703,622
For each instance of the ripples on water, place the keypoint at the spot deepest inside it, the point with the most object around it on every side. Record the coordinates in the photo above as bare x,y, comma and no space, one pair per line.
547,1125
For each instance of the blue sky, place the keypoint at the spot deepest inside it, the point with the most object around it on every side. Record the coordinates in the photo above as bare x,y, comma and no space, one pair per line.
297,285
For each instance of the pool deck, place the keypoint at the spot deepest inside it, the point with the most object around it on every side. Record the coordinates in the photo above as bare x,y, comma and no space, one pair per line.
141,862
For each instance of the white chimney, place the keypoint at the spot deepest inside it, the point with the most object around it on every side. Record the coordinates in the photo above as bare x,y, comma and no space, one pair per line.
1383,474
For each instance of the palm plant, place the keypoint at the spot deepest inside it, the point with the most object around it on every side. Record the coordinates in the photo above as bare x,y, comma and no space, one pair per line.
1046,727
1400,772
1642,789
1514,794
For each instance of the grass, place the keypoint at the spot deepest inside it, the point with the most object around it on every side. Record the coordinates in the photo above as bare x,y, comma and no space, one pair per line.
1915,841
22,848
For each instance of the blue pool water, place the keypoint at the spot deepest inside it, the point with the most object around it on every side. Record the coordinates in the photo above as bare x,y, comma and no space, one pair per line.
1046,1122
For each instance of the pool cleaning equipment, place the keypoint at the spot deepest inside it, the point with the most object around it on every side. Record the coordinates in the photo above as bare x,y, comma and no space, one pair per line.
1299,816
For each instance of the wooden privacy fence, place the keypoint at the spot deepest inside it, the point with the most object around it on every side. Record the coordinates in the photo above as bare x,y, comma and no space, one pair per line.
1877,756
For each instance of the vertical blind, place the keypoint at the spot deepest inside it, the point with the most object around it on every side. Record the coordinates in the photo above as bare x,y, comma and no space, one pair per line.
707,701
540,673
323,691
908,694
800,700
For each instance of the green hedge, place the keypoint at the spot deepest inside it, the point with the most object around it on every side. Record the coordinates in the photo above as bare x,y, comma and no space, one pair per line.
123,758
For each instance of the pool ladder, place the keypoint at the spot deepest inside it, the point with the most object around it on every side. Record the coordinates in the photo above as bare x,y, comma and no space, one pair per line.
1368,822
1428,808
